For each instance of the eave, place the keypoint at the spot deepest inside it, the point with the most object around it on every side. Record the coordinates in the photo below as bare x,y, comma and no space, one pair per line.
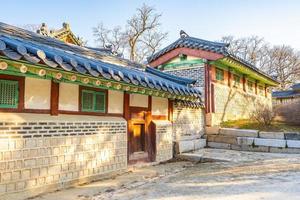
228,62
24,68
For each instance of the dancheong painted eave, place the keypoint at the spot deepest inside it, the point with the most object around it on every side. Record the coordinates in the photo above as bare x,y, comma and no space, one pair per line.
27,53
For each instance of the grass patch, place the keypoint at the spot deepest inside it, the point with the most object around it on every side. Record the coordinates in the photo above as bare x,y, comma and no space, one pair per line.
248,124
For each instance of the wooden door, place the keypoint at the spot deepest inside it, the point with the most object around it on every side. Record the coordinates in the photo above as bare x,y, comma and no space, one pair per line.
137,129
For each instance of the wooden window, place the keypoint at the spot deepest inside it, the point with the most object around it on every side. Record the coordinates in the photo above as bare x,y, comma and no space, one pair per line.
93,101
9,94
182,57
261,90
236,80
250,86
219,74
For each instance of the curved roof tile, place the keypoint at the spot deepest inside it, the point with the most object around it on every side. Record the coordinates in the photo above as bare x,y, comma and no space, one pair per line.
33,51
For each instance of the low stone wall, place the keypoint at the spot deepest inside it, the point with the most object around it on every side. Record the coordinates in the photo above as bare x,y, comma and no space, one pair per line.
40,153
188,128
253,140
288,112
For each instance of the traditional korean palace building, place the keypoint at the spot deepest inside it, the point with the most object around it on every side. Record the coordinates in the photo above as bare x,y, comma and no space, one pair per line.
70,114
232,86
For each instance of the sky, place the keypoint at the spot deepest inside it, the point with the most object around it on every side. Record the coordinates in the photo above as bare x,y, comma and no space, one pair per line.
277,21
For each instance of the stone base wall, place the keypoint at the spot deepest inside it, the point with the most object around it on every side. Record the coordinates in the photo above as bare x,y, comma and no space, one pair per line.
40,153
253,140
164,140
234,104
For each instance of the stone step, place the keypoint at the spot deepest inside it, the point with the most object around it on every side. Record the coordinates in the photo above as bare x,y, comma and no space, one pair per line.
239,132
272,135
269,142
222,139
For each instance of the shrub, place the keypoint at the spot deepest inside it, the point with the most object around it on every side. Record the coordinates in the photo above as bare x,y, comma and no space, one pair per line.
263,114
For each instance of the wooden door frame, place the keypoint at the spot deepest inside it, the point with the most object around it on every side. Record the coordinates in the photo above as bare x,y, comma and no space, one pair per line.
150,143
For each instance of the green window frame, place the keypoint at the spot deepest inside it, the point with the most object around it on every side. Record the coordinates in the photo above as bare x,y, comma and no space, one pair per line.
236,80
219,74
250,86
93,101
9,93
183,57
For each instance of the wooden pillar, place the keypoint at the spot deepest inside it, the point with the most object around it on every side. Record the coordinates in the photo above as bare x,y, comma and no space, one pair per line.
255,87
229,78
126,115
170,110
54,98
207,88
244,82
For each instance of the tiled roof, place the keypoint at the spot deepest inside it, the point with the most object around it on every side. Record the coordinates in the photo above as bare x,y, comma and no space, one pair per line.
193,43
294,92
18,44
296,86
285,94
215,47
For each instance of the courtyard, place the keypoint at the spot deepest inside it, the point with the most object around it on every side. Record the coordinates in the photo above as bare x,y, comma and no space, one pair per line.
224,174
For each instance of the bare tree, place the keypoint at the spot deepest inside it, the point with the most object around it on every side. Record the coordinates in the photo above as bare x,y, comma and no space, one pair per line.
284,63
139,39
114,38
281,62
253,48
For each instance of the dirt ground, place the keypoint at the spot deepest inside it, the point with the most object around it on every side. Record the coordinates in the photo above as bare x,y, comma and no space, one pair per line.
241,175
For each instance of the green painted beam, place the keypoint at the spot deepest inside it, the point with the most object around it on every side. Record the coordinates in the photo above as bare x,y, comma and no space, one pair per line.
21,68
182,63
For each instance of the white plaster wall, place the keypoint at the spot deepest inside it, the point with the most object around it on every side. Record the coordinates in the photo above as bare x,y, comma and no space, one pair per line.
115,101
37,93
159,106
138,100
68,97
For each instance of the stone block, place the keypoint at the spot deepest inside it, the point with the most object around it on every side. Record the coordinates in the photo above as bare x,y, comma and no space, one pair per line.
239,132
199,144
271,135
218,145
185,146
213,130
222,139
255,148
269,142
245,141
293,143
292,136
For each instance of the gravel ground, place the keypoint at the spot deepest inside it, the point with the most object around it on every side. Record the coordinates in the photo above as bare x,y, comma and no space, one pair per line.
242,175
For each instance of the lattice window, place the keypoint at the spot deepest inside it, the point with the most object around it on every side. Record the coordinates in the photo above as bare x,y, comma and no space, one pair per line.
250,86
236,80
219,74
93,101
9,94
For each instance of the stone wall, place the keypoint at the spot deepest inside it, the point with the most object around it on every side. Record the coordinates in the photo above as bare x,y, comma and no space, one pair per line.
188,128
233,104
40,153
288,112
188,122
164,140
